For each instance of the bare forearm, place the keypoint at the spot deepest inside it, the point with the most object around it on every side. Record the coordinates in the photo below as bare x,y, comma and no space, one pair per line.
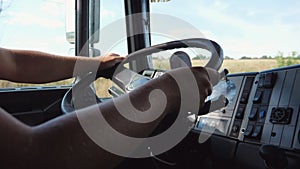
39,67
68,137
60,143
14,143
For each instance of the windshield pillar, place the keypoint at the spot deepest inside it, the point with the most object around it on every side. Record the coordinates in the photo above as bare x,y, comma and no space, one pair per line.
138,20
82,28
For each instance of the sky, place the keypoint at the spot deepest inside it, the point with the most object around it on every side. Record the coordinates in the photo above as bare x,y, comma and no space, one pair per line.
34,24
243,28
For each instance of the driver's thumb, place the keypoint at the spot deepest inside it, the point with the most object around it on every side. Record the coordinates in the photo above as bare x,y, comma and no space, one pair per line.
214,76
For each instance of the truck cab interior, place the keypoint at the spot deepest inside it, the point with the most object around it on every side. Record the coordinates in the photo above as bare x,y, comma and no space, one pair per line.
259,125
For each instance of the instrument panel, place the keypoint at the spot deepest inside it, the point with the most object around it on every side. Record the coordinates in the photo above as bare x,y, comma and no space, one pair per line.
265,110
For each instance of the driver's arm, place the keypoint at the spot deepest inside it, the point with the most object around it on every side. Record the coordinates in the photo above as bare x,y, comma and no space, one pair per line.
62,142
38,67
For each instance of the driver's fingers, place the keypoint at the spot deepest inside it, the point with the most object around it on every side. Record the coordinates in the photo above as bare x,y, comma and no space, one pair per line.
213,75
203,81
113,54
110,60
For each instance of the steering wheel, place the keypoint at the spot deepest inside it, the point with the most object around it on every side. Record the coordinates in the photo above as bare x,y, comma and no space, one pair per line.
83,95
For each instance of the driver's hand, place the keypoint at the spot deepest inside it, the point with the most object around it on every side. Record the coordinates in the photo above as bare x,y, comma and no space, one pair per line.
108,64
173,89
205,78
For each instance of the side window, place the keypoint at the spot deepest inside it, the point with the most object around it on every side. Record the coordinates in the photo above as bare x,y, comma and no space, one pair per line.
37,25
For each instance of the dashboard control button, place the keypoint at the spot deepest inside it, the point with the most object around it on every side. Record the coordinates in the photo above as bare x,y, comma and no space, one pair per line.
257,131
262,114
252,115
258,96
240,113
244,97
235,128
248,131
267,80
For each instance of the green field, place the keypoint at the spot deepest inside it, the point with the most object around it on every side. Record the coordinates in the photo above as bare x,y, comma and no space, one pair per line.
234,66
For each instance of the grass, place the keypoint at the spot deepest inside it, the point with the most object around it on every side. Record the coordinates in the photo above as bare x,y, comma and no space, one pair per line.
101,85
248,65
234,66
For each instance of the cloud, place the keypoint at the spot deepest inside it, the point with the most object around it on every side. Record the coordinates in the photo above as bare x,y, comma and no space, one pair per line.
252,13
107,13
52,8
220,4
262,40
240,36
50,14
17,42
29,19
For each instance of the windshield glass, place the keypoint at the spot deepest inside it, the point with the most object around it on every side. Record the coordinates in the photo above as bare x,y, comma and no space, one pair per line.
255,35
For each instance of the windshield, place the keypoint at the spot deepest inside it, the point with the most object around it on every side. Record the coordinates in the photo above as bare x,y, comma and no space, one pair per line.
255,35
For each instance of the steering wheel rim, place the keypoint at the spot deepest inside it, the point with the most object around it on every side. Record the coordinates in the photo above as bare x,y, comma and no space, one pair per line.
215,61
123,75
83,91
